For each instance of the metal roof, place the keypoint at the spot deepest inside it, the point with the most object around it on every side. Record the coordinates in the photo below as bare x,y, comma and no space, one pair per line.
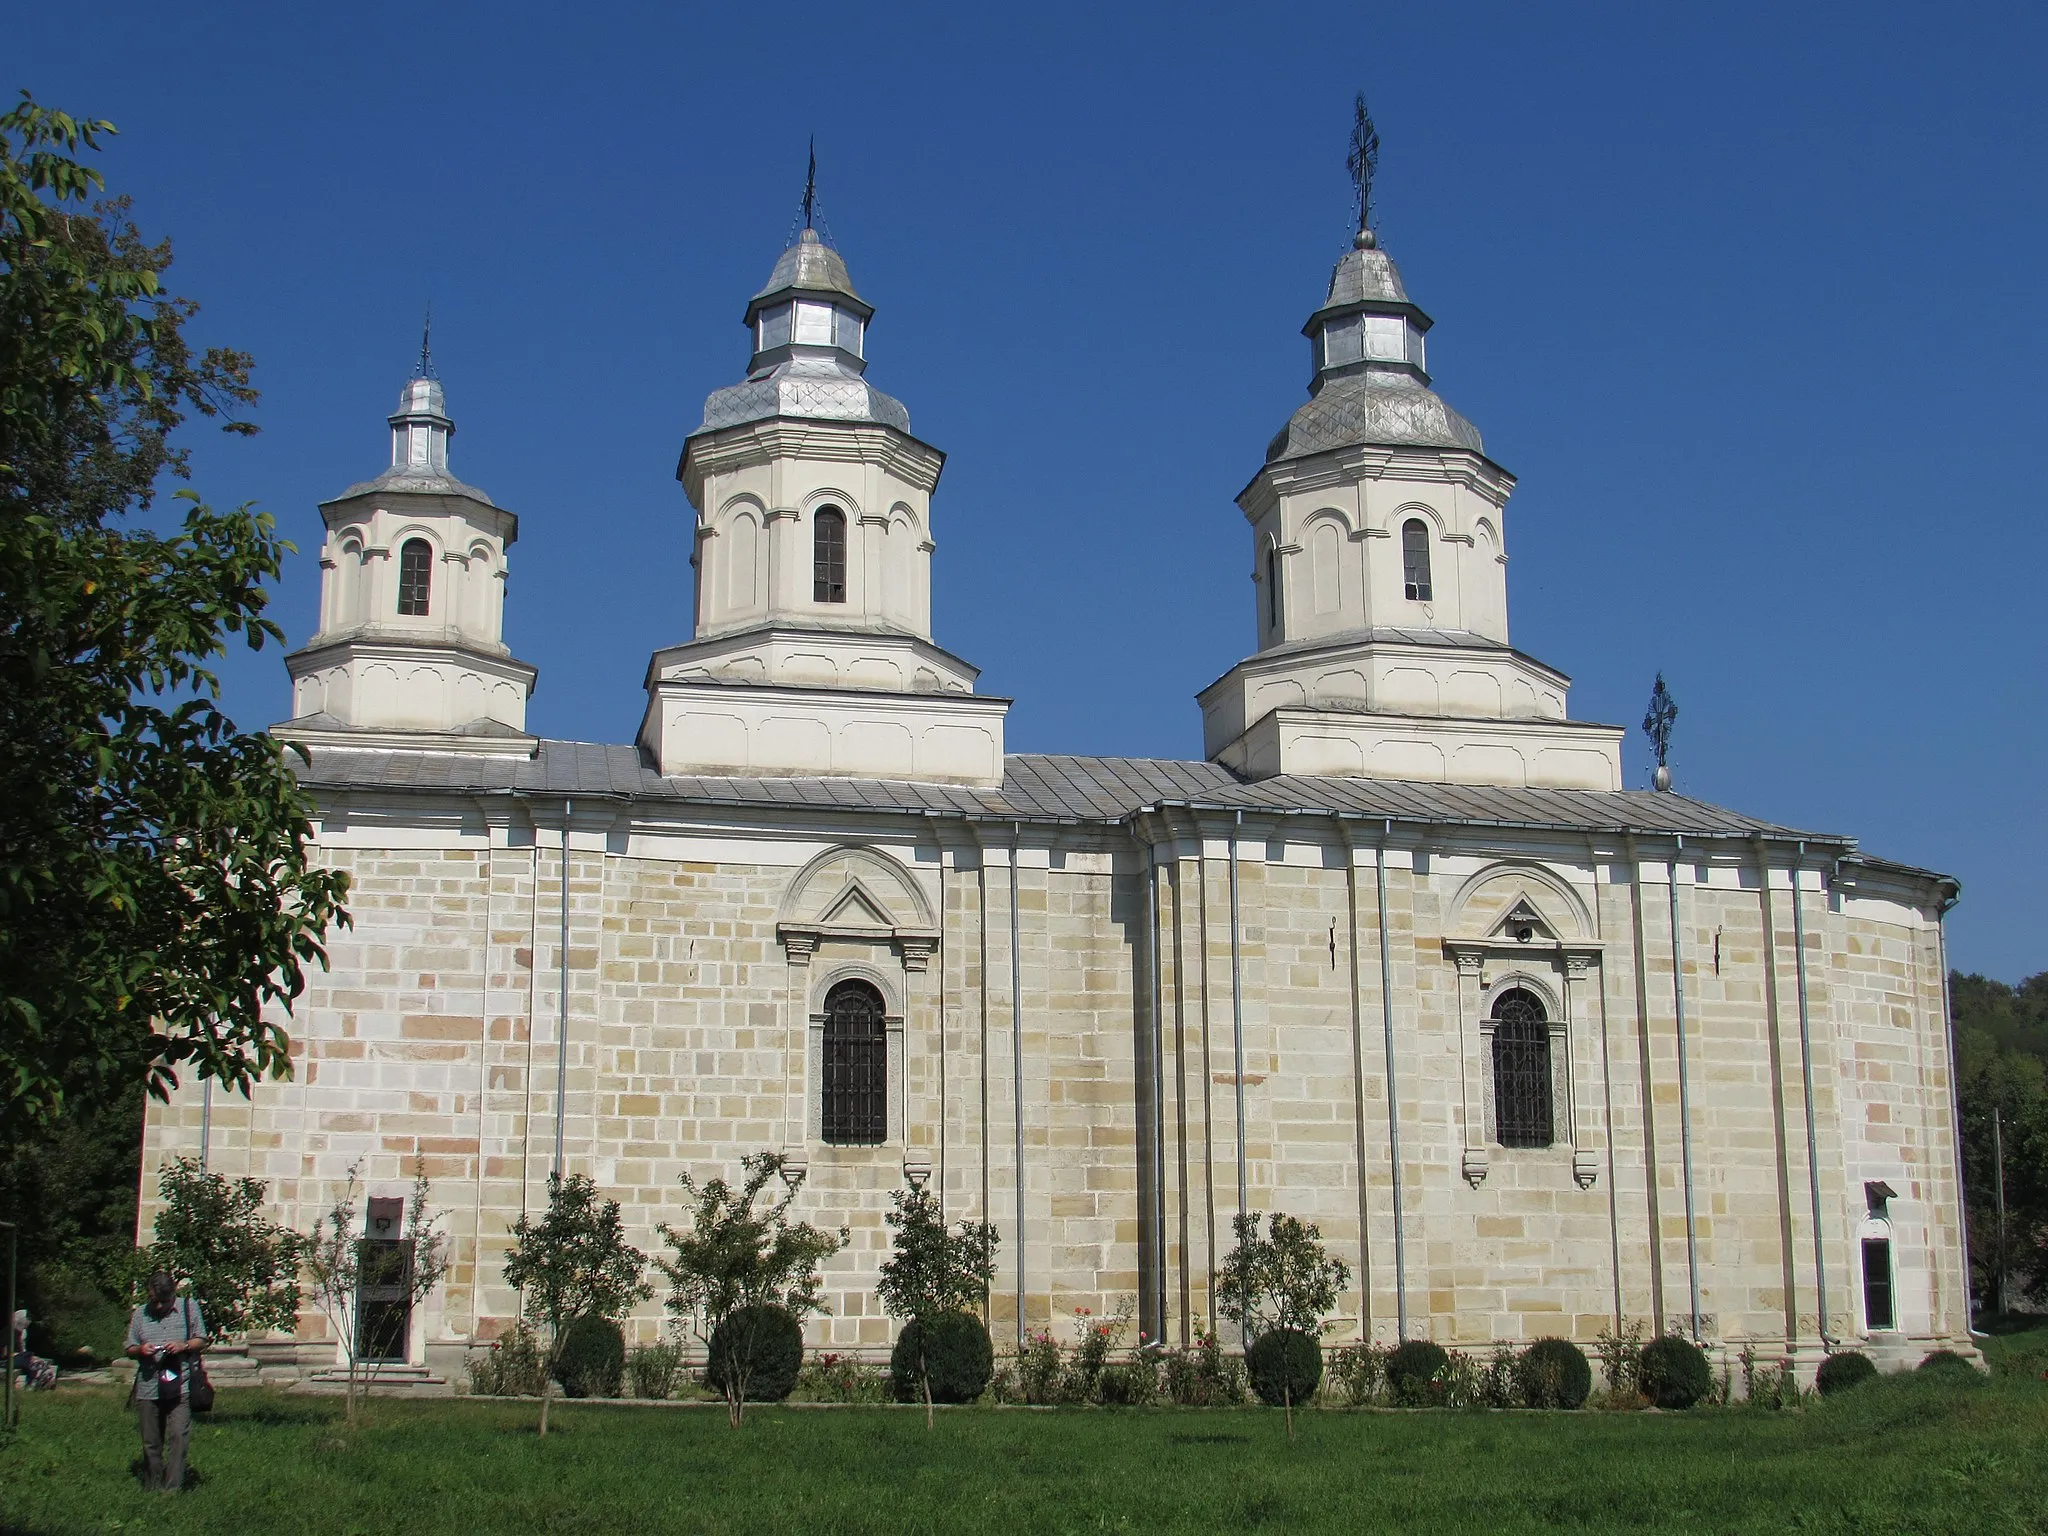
1372,409
1043,788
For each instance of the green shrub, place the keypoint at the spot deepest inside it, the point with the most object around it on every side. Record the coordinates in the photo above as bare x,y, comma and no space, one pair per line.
830,1378
512,1367
1416,1373
774,1343
958,1358
1202,1376
1554,1373
1675,1373
1285,1366
593,1358
1947,1360
1128,1384
1840,1372
1357,1372
655,1370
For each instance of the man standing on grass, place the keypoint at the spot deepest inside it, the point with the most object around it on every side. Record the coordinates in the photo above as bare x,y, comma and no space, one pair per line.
163,1333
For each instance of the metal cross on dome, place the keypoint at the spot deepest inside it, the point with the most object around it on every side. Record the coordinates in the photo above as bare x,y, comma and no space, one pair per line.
811,184
1663,714
1364,160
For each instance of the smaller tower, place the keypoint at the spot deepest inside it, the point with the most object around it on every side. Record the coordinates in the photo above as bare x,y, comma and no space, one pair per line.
812,650
410,650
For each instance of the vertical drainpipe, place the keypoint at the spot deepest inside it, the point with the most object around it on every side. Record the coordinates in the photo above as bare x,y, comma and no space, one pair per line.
1692,1249
205,1123
1237,1012
1393,1096
1017,1062
1955,1104
562,999
1357,1078
1820,1262
1158,1047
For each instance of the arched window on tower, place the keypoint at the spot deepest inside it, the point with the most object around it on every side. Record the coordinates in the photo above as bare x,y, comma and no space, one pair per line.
855,1100
415,577
1276,599
1415,560
828,556
1521,1071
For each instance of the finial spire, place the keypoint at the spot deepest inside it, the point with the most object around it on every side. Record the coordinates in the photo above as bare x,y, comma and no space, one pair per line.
1657,726
811,184
426,367
1363,162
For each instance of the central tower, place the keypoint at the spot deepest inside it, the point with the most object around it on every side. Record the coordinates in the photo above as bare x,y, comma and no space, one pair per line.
812,651
1379,563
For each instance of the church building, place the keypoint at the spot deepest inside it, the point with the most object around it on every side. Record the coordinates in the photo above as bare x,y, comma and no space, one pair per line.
1400,955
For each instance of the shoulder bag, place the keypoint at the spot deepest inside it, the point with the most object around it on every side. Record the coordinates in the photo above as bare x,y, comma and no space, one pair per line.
198,1386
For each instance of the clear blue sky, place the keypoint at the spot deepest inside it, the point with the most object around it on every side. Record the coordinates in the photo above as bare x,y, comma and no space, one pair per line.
1749,297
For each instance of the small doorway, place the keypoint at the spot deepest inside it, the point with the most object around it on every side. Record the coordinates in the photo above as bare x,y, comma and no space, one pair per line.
383,1291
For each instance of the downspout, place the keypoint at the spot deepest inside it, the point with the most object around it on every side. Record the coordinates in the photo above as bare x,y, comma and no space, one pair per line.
1820,1262
1692,1248
1955,1103
1158,1103
205,1125
1393,1095
1357,1078
562,998
1017,1063
1237,1012
1607,1099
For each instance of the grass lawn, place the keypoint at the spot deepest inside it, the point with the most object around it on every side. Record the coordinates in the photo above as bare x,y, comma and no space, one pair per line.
1916,1454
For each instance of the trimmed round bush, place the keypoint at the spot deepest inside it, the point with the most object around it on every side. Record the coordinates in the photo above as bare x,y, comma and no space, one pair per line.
1554,1373
593,1361
771,1363
1675,1372
1415,1372
1947,1360
1285,1365
1838,1373
957,1354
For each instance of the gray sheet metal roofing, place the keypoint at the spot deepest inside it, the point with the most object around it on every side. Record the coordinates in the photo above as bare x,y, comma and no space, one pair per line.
1042,788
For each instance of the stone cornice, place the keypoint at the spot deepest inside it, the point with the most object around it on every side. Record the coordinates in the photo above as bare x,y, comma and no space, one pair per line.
1348,466
758,443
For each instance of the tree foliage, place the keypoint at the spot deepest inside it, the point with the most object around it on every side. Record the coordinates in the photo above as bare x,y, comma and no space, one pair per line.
2002,1067
574,1262
212,1231
157,891
930,1269
740,1255
1283,1279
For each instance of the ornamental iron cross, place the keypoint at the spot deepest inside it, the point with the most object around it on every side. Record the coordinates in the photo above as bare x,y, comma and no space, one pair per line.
1364,160
1658,722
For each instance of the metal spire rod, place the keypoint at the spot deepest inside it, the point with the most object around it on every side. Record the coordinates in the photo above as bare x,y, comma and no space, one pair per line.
811,183
426,368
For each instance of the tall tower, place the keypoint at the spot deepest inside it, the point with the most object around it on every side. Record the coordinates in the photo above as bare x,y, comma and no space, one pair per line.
410,650
812,651
1379,565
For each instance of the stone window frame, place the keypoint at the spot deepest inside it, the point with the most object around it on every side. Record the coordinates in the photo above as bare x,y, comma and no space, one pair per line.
1553,972
895,1003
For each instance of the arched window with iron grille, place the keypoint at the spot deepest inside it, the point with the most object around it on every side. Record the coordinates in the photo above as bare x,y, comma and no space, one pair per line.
828,556
415,577
1521,1071
855,1105
1415,560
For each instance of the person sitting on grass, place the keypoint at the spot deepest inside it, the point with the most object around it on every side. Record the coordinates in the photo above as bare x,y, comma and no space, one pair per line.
163,1333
